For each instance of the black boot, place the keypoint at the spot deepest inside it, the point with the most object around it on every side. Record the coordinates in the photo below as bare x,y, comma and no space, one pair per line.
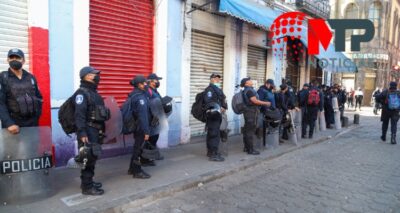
253,152
92,191
141,175
393,139
216,157
383,137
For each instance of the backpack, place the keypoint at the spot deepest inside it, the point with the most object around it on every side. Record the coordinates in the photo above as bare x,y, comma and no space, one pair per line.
67,111
239,103
313,98
129,122
393,100
198,107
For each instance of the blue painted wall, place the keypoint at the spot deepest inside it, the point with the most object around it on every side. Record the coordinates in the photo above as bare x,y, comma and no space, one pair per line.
174,66
61,70
61,48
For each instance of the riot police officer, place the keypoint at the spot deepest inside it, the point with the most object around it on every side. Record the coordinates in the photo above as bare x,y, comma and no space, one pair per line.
312,108
328,107
302,103
20,98
284,102
250,114
215,105
390,110
90,116
141,111
153,82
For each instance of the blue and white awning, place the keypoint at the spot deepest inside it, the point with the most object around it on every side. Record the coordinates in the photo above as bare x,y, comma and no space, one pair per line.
249,11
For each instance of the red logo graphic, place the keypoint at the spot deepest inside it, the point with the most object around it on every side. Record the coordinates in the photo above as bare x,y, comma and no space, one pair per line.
288,26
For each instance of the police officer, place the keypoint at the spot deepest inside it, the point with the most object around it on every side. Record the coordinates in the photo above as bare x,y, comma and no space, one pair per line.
266,94
328,107
312,110
377,105
141,110
389,114
250,114
341,97
302,103
215,102
90,116
284,102
20,98
153,83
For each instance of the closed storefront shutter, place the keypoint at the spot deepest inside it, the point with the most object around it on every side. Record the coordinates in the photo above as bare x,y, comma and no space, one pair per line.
13,30
121,43
207,58
256,64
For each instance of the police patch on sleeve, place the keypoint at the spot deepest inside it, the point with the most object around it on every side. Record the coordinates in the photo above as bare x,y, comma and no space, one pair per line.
79,99
141,102
209,94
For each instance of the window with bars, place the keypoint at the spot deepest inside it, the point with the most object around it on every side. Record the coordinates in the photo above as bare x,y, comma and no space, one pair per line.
351,13
374,14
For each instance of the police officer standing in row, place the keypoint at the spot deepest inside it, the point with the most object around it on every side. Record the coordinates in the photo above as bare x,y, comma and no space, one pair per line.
310,101
153,83
390,100
20,98
90,116
215,104
141,111
250,114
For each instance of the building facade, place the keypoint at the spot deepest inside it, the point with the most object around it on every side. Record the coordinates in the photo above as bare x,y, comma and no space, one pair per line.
377,57
182,41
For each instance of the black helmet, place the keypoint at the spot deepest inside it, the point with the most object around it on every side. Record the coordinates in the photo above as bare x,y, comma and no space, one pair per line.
213,110
167,104
84,156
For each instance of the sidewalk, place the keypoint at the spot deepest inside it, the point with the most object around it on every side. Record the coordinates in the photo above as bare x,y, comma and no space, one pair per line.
184,167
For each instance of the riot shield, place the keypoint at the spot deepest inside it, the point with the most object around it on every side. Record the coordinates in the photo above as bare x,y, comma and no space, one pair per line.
322,123
298,123
25,160
335,105
292,131
114,124
160,118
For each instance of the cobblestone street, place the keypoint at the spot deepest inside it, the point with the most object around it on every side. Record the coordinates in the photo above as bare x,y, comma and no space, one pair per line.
352,173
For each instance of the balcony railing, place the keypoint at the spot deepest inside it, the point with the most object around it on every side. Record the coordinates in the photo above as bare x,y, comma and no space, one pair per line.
315,8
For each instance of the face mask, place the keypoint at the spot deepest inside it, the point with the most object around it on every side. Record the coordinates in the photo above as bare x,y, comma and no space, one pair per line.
16,65
217,85
157,84
96,79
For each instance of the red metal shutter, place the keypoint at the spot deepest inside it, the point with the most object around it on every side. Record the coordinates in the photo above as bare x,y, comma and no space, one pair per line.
121,43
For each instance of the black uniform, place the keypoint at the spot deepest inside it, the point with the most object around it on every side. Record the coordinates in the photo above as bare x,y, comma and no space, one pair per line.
328,108
152,94
377,105
250,119
311,112
341,96
90,116
140,105
20,100
285,102
388,114
213,94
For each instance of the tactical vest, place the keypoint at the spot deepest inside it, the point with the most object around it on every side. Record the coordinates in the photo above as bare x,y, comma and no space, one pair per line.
21,97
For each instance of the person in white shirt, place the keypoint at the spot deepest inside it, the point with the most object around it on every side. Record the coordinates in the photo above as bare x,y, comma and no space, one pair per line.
359,95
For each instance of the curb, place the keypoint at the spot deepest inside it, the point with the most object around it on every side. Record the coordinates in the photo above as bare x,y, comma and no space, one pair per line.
120,205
